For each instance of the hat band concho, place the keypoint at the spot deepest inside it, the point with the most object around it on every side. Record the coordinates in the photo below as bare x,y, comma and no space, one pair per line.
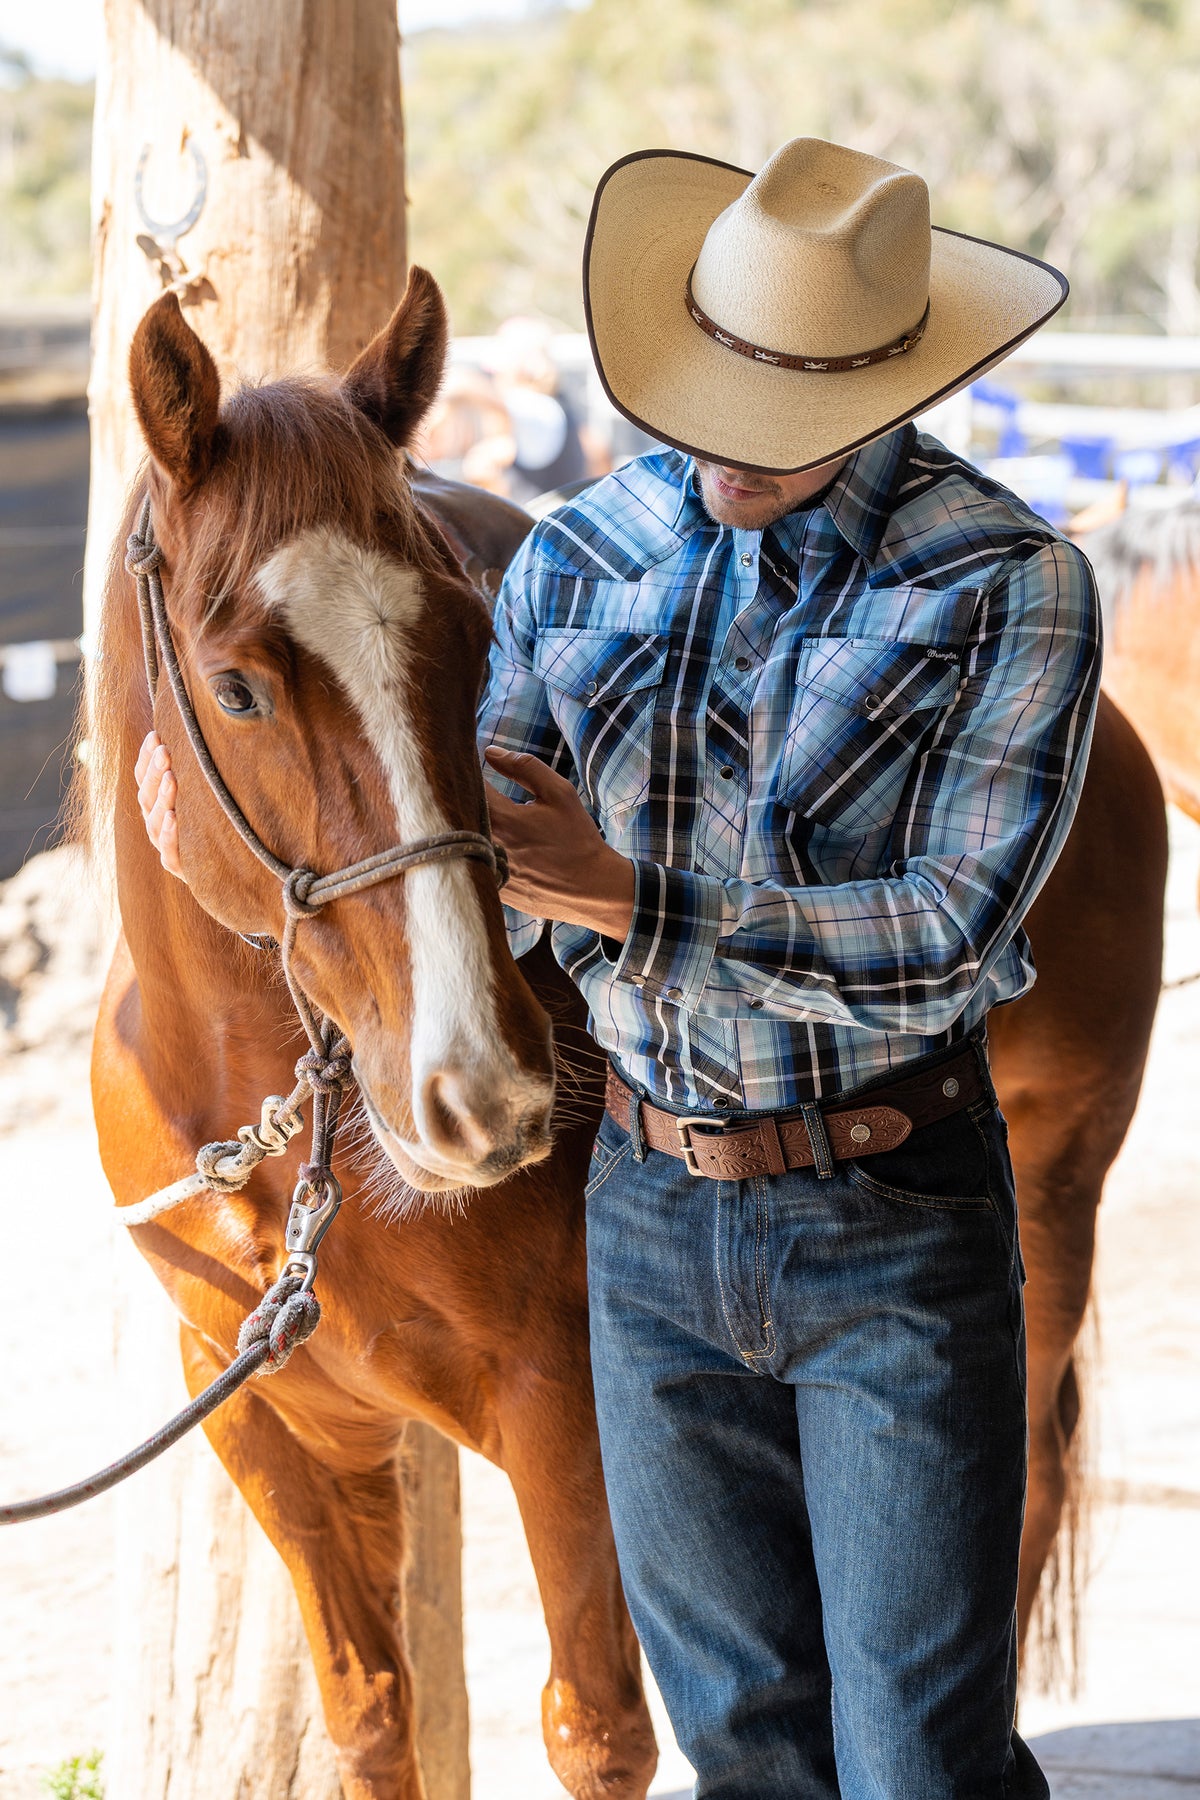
782,359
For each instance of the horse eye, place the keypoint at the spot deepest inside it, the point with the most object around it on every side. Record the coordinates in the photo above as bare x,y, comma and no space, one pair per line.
233,695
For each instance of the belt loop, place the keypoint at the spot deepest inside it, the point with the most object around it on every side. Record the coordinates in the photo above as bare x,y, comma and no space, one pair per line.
818,1138
635,1128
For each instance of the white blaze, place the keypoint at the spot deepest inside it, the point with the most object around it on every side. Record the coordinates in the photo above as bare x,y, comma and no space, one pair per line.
355,609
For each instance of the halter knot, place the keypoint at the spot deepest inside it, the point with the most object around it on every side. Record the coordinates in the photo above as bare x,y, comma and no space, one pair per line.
296,903
231,1180
284,1317
324,1074
141,558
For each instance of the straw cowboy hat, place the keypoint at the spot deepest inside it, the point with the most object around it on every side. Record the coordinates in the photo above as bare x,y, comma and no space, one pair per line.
777,321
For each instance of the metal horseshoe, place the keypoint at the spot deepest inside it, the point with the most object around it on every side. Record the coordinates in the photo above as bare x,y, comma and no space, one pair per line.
166,236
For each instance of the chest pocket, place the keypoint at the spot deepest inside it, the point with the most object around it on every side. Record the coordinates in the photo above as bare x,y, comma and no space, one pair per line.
862,708
603,691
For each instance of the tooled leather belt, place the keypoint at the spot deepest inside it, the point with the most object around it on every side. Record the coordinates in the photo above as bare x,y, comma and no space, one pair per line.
775,1143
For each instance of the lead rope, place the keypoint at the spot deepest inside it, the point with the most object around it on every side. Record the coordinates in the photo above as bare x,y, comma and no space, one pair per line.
289,1312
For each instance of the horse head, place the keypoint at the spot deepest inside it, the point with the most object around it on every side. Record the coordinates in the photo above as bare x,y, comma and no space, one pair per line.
333,656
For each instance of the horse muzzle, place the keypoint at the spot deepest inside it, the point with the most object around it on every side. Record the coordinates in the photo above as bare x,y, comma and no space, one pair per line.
469,1129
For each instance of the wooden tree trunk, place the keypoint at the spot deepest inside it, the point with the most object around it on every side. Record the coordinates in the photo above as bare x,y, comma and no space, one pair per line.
296,259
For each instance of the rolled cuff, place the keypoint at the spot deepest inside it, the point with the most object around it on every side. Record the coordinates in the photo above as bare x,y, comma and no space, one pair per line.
673,936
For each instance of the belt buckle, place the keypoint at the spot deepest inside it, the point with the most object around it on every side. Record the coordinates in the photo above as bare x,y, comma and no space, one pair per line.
683,1126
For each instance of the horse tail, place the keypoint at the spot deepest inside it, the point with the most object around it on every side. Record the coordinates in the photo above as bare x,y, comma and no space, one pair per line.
1053,1658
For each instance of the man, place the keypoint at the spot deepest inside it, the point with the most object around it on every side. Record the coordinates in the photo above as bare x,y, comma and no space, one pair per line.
803,706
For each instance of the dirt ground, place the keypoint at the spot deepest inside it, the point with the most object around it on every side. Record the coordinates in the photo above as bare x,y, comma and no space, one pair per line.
1131,1733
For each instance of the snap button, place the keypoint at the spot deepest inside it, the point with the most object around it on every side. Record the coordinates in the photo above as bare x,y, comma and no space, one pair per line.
871,700
727,773
637,981
741,662
860,1133
755,1004
746,559
949,1087
671,993
593,687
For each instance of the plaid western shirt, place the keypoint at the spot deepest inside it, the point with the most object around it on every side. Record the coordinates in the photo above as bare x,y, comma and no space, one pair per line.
842,754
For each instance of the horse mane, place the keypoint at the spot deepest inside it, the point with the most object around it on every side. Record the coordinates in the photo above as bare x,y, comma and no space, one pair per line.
293,454
1165,541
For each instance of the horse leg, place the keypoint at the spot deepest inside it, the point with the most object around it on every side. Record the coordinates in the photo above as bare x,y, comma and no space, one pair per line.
341,1534
596,1726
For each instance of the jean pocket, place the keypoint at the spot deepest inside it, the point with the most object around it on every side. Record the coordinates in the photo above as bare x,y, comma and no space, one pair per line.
611,1145
946,1165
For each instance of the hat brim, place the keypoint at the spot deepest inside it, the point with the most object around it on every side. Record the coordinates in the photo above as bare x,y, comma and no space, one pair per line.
649,218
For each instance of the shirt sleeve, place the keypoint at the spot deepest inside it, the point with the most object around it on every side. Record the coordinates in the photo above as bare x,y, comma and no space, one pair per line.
985,813
515,711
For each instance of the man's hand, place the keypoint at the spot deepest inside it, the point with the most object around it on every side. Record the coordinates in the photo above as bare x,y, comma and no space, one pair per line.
559,865
156,797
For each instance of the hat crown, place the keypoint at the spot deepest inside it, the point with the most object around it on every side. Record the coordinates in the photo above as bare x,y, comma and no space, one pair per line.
825,254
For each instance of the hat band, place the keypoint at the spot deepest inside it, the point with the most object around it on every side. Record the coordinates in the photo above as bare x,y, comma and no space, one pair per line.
818,365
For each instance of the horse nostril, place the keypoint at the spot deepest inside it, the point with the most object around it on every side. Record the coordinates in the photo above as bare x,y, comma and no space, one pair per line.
452,1126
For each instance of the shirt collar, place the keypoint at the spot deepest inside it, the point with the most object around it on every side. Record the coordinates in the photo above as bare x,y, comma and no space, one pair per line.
863,495
860,500
690,512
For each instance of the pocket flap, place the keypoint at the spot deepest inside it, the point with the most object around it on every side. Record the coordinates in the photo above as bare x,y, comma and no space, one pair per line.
594,665
878,678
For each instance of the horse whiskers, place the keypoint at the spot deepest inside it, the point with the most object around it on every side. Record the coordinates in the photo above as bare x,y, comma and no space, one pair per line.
383,1192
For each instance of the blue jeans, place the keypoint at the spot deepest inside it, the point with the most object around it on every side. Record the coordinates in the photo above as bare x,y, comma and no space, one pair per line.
811,1397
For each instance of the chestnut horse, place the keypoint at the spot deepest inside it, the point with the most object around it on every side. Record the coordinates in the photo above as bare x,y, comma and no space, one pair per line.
1148,568
333,655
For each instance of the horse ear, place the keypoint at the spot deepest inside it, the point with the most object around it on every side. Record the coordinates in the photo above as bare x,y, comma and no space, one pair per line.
396,378
176,391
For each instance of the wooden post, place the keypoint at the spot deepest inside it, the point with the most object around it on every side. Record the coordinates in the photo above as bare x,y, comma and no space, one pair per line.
287,114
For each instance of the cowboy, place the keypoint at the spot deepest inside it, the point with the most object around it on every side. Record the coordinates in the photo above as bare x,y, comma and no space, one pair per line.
803,704
790,720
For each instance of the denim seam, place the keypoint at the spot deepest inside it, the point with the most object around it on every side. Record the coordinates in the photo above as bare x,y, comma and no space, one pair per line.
617,1156
762,1225
993,1202
1015,1301
746,1355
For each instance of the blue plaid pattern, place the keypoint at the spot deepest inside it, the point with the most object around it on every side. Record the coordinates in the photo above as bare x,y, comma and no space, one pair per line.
842,754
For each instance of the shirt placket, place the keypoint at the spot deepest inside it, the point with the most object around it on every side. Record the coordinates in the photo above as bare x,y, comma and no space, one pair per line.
741,651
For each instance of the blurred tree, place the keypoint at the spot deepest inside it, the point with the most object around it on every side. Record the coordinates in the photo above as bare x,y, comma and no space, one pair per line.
1062,126
45,140
1066,127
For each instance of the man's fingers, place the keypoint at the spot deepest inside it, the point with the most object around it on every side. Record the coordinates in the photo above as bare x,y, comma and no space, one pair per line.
528,772
150,744
153,765
500,807
163,803
168,845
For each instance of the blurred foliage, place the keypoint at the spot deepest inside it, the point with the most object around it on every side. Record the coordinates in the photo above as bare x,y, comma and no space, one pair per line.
78,1778
1067,128
1064,127
45,156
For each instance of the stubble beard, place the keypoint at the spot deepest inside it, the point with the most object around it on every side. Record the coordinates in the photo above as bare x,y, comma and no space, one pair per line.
763,505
